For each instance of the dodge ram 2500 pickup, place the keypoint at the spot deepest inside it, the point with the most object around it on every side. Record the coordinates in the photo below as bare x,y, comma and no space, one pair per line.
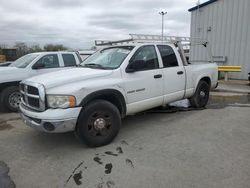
114,82
26,67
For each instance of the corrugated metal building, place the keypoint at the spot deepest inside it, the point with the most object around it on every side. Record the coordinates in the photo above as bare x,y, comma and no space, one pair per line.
226,25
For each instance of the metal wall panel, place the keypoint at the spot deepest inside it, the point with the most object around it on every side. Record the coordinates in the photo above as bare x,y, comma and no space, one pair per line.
229,21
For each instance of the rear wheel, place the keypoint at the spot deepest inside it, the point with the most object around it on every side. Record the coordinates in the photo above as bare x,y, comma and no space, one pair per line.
201,96
11,98
98,124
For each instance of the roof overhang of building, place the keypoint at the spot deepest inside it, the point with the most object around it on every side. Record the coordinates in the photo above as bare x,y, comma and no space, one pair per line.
201,5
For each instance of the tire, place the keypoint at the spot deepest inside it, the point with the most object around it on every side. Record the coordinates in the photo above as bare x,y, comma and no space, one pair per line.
98,124
201,96
11,98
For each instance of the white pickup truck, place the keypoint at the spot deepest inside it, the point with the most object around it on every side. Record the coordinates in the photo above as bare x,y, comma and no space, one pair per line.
114,82
27,66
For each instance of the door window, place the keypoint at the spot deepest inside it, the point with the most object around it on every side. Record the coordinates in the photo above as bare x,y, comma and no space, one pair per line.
49,61
168,56
148,55
69,60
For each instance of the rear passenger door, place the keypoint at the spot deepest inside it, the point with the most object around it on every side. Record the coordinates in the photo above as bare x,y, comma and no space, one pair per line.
173,74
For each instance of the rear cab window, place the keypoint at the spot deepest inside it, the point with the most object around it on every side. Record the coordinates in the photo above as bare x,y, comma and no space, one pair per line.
69,60
168,56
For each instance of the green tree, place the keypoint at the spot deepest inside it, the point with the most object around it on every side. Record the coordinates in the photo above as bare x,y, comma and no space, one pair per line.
35,48
53,47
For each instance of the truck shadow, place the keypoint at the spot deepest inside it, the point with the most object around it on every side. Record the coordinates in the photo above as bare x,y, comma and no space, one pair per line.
55,140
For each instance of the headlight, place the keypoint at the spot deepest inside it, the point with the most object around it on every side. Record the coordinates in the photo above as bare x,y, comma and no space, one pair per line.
55,101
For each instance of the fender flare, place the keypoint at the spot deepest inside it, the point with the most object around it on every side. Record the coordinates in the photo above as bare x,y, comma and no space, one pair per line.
117,99
8,84
201,78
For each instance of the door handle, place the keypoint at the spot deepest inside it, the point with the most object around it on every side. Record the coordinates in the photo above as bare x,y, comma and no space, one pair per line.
158,76
180,72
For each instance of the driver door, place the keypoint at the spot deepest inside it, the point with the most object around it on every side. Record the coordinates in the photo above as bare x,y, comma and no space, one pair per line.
47,63
144,87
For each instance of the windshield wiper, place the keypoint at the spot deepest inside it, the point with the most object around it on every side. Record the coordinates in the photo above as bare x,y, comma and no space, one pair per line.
93,65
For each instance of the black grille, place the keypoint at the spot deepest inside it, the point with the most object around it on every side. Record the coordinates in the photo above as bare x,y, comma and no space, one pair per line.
32,90
33,102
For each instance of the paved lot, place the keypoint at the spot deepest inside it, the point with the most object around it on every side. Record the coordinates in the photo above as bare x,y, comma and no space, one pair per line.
205,148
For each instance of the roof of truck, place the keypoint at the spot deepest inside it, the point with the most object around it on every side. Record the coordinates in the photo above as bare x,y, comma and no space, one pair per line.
52,52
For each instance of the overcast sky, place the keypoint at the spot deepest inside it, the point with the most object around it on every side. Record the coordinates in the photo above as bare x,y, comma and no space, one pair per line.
77,23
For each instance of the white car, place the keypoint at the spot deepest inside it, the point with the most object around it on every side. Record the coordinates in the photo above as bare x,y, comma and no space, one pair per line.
27,66
114,82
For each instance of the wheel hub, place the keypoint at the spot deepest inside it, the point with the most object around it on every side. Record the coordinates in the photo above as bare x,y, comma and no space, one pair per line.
99,124
15,99
202,94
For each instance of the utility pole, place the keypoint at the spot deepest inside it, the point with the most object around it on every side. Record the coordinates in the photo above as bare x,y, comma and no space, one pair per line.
162,13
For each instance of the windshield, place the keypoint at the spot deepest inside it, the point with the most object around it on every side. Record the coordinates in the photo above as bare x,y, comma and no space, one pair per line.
24,61
108,58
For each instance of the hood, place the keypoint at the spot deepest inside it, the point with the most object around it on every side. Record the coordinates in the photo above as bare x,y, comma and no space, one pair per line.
53,79
7,69
12,74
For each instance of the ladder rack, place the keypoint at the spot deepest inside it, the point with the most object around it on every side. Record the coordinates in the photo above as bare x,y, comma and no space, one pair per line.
142,38
158,38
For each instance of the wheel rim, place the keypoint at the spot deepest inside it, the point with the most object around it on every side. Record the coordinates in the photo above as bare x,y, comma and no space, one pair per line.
15,99
100,124
203,95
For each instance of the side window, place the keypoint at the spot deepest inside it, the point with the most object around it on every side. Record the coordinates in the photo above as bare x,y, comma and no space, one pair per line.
148,55
69,60
49,61
168,56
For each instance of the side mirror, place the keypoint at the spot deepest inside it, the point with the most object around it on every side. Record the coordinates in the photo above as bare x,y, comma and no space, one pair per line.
136,66
38,65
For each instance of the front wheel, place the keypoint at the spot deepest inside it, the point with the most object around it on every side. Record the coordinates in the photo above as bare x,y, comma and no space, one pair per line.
98,123
11,98
201,96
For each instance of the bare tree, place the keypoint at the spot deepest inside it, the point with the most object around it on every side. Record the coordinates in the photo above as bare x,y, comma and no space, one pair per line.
22,49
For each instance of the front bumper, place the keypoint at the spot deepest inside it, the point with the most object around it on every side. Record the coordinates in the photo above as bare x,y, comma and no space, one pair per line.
51,120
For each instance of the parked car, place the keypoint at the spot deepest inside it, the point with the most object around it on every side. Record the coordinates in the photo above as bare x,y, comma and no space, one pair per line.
27,66
114,82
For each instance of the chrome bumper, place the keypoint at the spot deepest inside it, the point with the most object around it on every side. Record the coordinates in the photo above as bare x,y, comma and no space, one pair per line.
58,125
